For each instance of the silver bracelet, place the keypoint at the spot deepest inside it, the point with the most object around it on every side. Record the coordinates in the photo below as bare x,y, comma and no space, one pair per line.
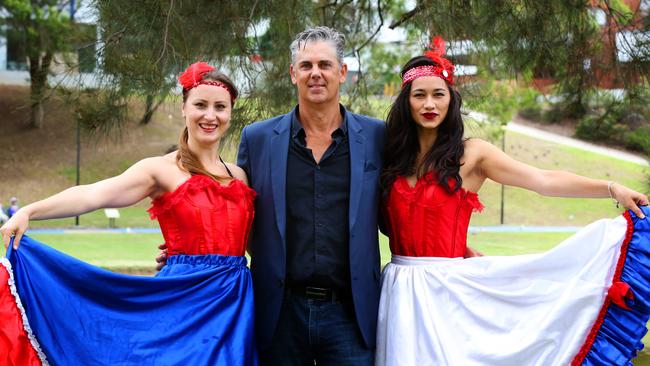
609,189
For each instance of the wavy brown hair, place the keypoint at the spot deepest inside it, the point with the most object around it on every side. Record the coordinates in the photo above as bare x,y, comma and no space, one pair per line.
185,158
402,144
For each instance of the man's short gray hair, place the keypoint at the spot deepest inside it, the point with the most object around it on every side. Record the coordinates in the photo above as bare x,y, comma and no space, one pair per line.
319,34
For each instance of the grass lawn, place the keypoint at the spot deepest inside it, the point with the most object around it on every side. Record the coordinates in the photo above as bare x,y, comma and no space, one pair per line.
120,251
134,216
499,243
116,251
521,207
135,253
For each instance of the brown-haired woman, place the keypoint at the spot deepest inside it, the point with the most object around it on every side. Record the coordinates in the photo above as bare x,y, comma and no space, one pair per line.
197,310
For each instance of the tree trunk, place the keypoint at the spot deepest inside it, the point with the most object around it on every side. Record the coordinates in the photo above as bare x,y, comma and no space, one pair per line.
150,109
39,67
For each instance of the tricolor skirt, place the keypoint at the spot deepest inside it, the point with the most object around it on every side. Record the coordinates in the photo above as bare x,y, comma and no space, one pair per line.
57,310
585,302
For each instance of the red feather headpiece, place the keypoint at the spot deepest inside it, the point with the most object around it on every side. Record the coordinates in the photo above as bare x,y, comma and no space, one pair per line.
193,76
443,68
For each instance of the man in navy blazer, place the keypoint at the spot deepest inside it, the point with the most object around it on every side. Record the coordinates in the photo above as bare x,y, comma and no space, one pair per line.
314,243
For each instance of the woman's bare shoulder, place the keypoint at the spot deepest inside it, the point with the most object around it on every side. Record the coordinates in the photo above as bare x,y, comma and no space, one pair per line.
237,172
476,143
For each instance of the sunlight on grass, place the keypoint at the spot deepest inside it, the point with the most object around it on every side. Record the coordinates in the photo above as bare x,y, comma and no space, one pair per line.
135,253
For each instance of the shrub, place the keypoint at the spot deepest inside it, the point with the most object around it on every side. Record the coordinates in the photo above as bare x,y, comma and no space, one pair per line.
638,139
554,114
532,113
604,127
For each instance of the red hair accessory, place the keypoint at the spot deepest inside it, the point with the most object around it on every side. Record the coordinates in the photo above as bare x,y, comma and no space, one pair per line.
193,77
443,68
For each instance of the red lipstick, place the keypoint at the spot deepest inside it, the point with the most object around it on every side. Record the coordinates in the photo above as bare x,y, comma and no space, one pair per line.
430,115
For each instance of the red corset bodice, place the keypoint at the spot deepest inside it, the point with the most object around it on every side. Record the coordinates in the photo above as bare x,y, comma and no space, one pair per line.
426,221
202,216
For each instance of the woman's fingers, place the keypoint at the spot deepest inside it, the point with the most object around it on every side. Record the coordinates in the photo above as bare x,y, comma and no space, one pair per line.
6,237
637,211
9,235
630,199
17,238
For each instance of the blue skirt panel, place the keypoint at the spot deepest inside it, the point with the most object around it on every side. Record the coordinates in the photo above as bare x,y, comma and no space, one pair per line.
198,310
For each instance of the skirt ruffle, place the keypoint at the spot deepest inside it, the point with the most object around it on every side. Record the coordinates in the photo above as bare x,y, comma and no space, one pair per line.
197,311
615,337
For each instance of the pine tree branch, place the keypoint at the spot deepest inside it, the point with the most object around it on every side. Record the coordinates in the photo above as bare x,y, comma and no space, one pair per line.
407,16
165,42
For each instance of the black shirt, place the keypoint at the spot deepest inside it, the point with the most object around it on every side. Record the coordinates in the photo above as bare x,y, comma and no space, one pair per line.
318,196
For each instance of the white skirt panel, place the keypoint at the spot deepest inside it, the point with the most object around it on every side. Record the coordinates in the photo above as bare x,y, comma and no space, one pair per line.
520,310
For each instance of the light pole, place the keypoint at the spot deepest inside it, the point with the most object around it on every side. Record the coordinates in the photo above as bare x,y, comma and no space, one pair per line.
503,187
76,219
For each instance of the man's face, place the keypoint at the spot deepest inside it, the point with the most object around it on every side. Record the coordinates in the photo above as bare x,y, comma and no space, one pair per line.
317,73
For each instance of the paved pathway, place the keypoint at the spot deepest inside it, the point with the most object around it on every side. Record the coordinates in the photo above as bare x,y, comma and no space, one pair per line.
568,141
549,136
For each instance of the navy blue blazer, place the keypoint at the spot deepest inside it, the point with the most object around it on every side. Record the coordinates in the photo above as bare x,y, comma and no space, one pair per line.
263,155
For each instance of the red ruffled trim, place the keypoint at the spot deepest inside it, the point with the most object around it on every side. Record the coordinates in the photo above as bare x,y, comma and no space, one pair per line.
472,199
429,178
15,345
197,183
586,347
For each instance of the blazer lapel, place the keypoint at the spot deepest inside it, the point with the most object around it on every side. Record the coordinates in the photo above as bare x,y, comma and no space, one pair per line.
357,163
278,153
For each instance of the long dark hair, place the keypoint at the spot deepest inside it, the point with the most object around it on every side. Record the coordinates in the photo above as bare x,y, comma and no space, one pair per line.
185,159
402,144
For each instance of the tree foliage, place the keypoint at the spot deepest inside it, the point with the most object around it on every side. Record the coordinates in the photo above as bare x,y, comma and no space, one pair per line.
147,43
42,29
556,38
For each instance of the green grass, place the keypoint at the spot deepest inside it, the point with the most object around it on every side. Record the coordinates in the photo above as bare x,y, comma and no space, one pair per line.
135,216
528,208
117,251
498,243
521,207
135,253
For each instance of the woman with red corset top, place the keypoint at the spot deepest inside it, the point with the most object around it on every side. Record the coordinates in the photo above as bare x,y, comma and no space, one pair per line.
440,309
197,310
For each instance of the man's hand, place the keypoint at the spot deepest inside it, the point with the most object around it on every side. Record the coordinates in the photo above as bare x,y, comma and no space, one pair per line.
469,253
161,259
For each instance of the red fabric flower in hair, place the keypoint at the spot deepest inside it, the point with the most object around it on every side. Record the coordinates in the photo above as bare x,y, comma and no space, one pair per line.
437,52
194,74
443,68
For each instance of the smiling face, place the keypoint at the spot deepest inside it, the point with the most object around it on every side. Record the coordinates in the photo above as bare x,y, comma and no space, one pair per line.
429,101
317,73
207,112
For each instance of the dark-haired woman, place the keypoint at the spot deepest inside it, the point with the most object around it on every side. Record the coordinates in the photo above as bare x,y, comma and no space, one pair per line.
561,307
196,311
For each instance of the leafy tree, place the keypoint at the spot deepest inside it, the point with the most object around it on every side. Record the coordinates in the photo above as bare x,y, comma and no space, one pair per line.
42,29
147,43
555,38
